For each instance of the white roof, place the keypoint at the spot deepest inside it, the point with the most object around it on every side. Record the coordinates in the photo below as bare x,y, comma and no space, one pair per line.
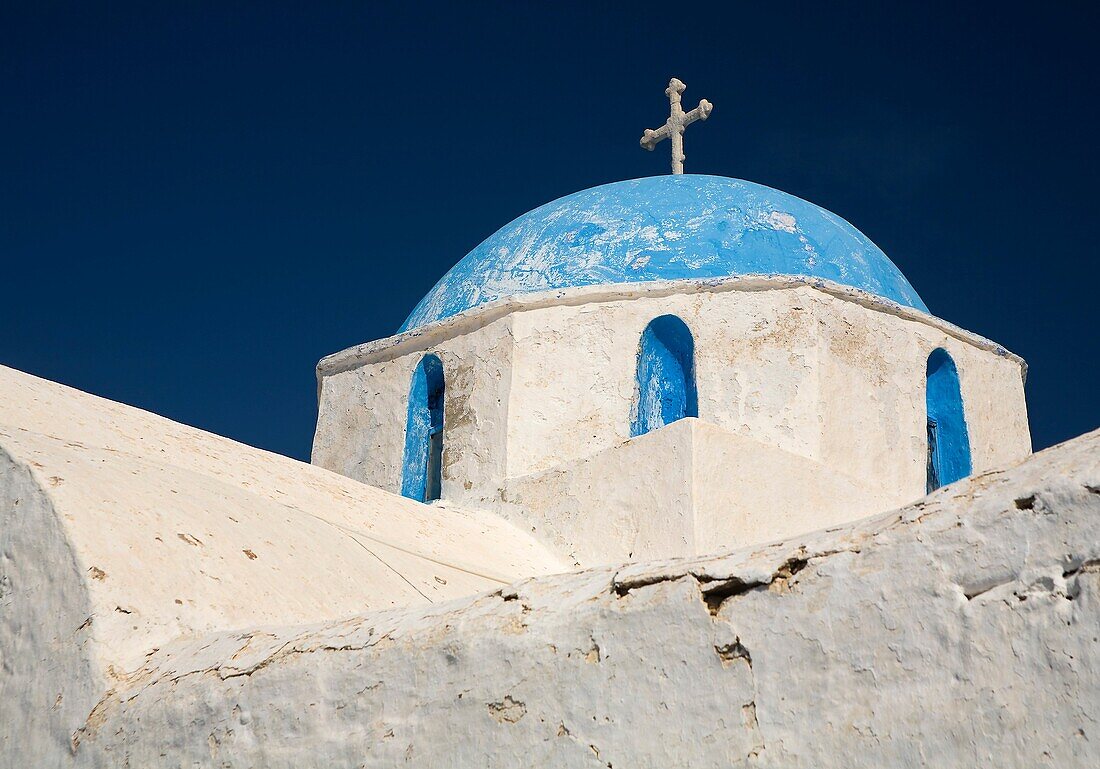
178,531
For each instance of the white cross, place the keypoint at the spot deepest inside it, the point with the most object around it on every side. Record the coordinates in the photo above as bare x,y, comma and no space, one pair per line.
677,121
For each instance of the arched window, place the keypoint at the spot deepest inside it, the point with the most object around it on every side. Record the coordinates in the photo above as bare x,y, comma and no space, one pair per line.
422,469
665,389
948,441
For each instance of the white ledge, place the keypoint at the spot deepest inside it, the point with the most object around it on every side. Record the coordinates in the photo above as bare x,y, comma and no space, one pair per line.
482,315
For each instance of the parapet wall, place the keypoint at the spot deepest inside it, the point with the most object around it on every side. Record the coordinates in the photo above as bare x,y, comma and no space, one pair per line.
960,631
121,531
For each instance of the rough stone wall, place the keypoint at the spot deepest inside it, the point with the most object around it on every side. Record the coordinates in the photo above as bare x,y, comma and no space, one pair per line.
961,631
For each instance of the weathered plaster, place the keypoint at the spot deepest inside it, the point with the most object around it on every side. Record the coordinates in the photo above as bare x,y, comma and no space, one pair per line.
678,491
823,375
959,631
754,364
121,530
48,661
481,315
664,228
360,435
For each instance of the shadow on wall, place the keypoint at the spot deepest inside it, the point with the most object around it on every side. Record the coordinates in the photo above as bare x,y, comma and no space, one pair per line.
948,440
422,467
665,392
665,389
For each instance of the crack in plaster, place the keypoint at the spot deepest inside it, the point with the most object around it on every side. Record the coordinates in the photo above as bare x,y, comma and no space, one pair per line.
714,591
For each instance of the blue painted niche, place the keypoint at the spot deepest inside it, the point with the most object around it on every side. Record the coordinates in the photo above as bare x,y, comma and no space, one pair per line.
422,468
948,439
665,389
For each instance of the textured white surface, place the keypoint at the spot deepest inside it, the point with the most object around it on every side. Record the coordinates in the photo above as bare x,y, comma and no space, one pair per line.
676,492
362,413
121,530
960,631
831,377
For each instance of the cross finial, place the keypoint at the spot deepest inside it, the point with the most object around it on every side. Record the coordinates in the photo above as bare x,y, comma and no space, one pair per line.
674,127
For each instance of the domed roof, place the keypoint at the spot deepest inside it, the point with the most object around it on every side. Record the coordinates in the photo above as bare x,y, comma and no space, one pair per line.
664,228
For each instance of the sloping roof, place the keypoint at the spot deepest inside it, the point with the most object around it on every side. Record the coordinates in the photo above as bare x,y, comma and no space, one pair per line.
177,531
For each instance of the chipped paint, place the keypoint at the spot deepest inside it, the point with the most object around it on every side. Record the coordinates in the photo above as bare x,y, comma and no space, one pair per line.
665,388
664,228
948,439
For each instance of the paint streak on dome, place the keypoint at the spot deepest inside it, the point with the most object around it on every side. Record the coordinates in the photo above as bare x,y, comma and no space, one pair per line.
664,228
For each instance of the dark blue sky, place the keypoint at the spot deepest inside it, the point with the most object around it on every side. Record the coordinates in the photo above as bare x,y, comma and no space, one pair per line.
200,200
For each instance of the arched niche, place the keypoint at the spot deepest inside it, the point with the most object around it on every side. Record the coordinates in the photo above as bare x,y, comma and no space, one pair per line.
948,439
665,386
422,468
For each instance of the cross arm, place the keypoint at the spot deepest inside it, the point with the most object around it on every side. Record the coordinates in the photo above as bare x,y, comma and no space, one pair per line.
702,112
650,137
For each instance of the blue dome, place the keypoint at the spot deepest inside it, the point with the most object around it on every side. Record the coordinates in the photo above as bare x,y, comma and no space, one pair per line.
664,228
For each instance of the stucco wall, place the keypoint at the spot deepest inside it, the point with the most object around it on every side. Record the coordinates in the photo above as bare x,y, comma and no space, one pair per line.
832,376
50,677
362,412
746,493
631,501
690,487
575,369
800,370
121,530
871,380
958,632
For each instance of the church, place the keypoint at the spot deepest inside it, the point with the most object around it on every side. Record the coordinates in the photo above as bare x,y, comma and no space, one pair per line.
678,470
669,366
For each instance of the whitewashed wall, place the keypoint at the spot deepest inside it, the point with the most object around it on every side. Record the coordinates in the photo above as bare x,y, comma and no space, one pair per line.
687,488
871,381
958,632
121,530
575,370
832,376
362,412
